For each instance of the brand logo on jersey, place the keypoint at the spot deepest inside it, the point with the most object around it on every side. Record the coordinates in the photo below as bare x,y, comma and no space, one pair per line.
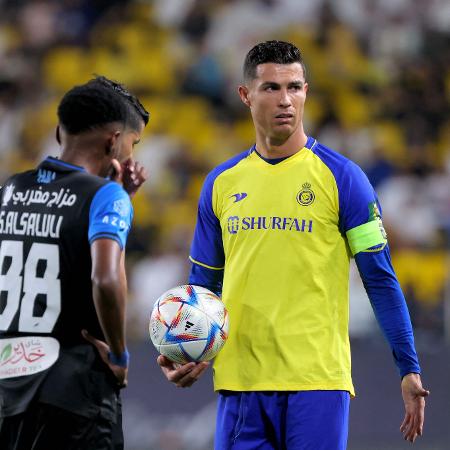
27,355
9,191
306,196
115,222
239,197
45,176
121,207
61,198
234,224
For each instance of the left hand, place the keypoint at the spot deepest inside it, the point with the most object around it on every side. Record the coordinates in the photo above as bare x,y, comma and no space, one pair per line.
414,398
130,174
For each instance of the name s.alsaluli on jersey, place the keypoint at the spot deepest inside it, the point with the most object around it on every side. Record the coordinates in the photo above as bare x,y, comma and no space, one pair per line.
48,218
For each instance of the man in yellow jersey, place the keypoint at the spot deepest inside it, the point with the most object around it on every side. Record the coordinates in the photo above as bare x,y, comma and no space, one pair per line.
277,226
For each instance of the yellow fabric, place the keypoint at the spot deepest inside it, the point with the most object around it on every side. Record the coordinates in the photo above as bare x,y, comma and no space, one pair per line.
286,287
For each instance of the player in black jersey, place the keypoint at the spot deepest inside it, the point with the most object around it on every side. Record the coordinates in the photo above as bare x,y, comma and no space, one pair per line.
63,229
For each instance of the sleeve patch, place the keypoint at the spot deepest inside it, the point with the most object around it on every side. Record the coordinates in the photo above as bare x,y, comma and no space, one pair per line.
374,212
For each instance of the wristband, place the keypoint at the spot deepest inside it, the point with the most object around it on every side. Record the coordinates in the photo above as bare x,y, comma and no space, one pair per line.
121,360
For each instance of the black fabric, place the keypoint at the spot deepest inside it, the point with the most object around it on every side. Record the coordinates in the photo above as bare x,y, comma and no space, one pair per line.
74,250
45,427
79,381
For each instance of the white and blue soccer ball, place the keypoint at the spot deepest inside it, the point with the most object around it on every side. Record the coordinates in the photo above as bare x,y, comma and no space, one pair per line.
189,323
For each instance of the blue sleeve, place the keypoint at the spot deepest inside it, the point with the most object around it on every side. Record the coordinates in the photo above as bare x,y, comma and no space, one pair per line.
359,209
389,305
358,203
207,247
207,254
210,279
110,214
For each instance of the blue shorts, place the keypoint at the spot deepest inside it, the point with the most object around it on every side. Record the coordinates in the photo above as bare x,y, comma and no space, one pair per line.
306,420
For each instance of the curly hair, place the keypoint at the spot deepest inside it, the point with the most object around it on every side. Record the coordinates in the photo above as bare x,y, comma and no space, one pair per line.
98,102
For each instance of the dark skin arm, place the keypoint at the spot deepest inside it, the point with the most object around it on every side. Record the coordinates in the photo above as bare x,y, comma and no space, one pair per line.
109,289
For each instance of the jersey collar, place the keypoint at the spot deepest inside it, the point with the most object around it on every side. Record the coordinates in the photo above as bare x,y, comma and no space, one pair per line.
61,165
310,143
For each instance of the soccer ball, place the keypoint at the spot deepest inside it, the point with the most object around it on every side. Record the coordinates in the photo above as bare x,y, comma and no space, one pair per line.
189,323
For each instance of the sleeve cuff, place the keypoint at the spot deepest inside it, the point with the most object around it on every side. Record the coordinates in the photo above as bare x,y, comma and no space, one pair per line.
106,236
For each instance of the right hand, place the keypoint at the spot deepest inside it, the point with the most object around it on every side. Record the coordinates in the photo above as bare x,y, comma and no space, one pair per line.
130,174
182,375
121,373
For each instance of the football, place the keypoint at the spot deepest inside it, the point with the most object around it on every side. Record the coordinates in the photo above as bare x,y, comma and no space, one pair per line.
189,323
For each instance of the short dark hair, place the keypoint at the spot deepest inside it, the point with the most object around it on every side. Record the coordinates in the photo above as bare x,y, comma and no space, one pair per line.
98,102
278,52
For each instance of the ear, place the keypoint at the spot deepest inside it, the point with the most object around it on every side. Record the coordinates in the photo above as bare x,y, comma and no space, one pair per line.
244,94
111,144
58,135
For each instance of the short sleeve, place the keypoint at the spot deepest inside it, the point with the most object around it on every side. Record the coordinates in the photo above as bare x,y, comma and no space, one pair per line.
207,247
359,211
111,214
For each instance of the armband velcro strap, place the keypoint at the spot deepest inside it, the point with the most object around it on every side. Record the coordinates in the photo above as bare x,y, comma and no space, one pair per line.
119,360
366,236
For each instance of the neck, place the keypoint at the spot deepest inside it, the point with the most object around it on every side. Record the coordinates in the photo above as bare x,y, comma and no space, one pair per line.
82,157
272,148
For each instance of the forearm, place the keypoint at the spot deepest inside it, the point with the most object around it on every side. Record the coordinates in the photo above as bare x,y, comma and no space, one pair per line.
110,300
389,305
109,290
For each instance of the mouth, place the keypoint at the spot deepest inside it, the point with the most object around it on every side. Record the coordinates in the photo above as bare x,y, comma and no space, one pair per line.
284,118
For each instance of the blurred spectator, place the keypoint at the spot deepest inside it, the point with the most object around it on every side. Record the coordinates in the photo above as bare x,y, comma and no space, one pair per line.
380,94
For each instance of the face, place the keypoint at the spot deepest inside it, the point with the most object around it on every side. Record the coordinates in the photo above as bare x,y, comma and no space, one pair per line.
122,146
125,144
276,98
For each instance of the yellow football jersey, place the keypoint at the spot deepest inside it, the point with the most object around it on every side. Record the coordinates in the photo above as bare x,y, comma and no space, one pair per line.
284,234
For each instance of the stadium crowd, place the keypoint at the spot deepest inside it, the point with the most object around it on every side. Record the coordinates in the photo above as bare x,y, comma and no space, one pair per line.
380,93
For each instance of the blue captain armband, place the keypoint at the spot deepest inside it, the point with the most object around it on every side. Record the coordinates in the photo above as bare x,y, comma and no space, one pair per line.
121,360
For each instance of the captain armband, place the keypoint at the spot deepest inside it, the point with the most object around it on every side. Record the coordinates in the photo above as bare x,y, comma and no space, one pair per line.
367,237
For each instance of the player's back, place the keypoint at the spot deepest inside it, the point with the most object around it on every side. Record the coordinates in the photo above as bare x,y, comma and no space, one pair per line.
48,217
44,252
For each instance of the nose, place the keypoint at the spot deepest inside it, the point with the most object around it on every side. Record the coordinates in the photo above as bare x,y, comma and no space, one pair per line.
284,100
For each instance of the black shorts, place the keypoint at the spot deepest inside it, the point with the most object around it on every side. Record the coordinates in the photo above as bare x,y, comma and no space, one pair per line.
44,427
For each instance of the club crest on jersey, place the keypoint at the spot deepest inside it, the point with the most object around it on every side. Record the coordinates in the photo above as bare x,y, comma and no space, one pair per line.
306,196
45,176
